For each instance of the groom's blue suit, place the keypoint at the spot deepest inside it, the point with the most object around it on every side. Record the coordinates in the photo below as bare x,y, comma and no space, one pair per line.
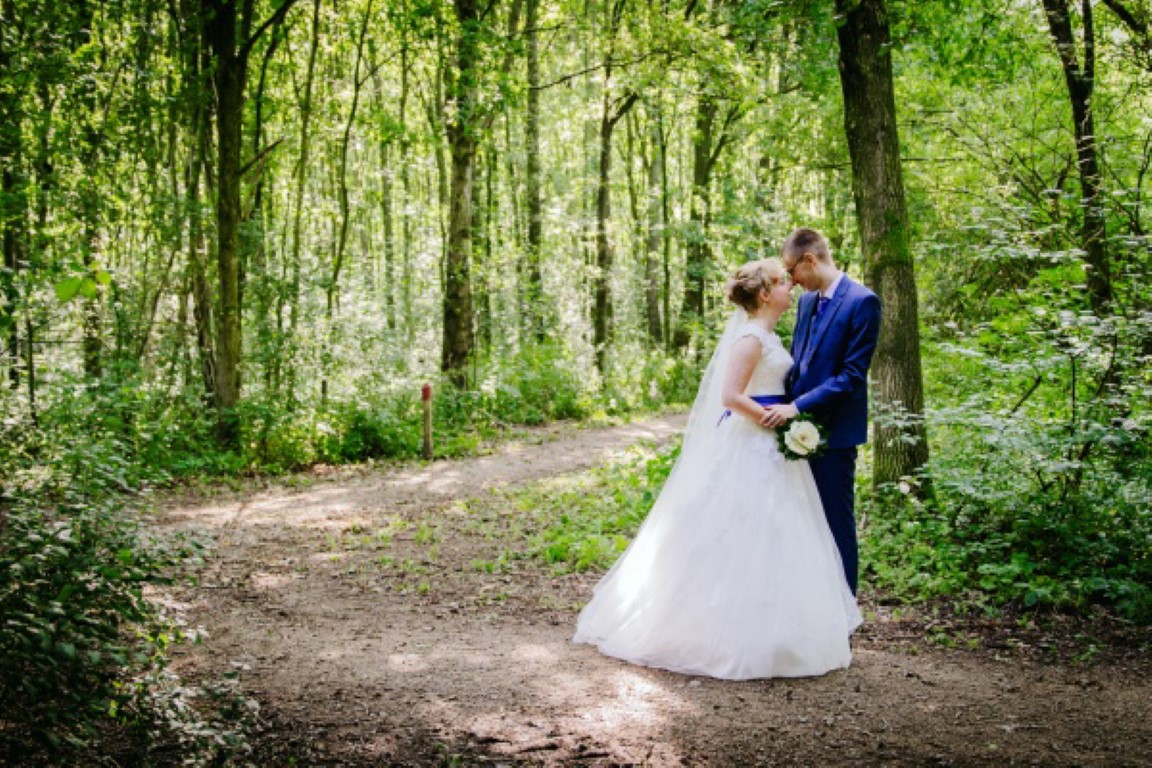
829,379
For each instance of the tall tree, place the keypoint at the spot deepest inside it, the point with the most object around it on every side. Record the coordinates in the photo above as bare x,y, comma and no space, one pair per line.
13,199
331,287
230,39
287,338
466,120
655,234
712,133
462,129
387,137
534,293
901,446
719,106
613,108
91,153
1081,82
193,108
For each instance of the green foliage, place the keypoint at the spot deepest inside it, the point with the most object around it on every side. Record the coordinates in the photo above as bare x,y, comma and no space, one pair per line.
540,383
85,639
76,618
1042,485
641,378
588,521
997,534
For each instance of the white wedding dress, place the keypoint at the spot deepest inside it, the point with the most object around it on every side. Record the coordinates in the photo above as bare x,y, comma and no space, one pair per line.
734,573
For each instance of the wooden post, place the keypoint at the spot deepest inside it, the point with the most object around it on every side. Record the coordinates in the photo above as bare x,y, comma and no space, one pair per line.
426,396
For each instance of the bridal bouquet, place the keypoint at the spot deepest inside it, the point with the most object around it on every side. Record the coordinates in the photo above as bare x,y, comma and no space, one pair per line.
801,439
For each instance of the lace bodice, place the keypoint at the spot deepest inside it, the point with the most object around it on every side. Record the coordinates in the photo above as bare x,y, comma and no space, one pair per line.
768,375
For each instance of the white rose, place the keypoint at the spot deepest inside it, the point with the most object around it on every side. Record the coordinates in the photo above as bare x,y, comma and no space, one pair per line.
802,437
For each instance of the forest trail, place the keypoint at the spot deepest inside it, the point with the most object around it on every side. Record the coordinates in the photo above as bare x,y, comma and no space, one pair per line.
363,618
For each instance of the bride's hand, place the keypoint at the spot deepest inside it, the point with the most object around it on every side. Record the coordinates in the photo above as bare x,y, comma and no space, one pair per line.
778,415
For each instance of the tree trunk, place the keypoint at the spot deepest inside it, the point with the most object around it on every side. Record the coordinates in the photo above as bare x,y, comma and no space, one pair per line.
699,254
287,338
482,229
387,208
387,193
257,278
1081,82
13,207
405,194
767,184
12,220
611,113
878,188
461,129
201,293
655,230
331,290
196,111
602,277
458,332
150,305
229,77
45,184
92,344
534,293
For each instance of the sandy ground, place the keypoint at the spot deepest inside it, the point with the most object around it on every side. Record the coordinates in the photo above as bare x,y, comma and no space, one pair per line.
358,608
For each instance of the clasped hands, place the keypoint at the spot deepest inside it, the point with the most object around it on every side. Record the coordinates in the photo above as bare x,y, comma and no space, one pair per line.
778,415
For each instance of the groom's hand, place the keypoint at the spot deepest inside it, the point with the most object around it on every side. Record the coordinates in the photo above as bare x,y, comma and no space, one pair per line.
778,415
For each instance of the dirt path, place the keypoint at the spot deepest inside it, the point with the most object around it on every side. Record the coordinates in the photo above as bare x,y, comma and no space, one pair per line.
366,623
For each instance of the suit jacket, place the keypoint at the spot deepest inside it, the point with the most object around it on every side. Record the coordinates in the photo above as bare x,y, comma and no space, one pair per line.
829,376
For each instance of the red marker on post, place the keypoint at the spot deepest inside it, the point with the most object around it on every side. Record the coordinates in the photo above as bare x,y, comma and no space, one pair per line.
426,396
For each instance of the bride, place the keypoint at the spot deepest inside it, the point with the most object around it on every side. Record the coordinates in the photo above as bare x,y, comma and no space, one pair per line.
734,574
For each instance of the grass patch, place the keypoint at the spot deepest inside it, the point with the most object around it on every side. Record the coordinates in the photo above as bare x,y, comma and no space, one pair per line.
575,522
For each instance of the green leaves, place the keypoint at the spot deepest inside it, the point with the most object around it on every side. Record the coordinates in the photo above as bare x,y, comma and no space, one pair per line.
1030,511
586,522
86,286
75,622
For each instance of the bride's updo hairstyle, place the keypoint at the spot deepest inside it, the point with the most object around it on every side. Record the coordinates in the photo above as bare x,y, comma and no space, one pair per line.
746,283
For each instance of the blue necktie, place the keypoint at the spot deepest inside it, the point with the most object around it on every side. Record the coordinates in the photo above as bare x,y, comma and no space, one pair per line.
820,305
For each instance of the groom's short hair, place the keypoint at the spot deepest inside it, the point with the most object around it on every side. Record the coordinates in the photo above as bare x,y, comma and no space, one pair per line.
806,240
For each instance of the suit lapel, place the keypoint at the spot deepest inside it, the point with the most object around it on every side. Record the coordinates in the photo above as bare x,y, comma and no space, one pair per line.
799,338
803,327
826,319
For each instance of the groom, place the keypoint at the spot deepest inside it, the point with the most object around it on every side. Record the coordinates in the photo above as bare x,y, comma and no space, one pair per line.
837,324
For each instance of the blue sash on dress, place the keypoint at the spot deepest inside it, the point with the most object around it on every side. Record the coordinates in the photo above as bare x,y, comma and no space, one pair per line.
762,399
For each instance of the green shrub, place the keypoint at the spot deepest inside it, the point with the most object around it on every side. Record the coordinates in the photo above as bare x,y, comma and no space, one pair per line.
76,619
542,382
1027,510
83,639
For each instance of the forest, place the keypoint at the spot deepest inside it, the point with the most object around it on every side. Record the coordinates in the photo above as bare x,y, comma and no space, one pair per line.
239,236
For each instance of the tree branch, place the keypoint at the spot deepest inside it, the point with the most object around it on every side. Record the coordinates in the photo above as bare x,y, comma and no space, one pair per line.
602,65
1061,27
623,104
259,159
1129,18
1089,41
734,114
277,17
